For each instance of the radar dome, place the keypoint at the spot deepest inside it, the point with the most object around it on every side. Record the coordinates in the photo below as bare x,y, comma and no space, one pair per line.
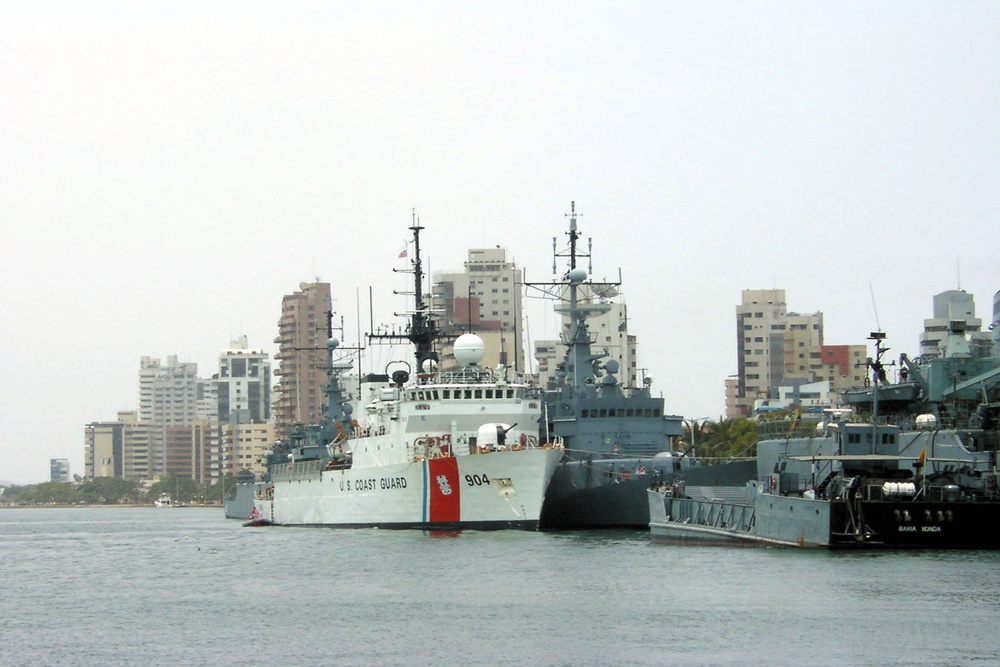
469,349
332,344
611,366
577,275
429,366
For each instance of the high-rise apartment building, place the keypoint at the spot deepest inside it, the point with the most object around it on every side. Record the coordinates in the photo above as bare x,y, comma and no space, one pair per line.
761,323
245,447
190,452
303,330
243,385
168,396
782,359
485,299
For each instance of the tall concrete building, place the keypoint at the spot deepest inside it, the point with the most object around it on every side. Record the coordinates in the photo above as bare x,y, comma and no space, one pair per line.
243,384
168,396
485,299
244,447
303,330
782,358
120,448
761,323
190,452
58,470
948,306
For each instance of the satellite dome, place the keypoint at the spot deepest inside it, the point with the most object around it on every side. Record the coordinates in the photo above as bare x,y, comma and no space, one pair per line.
577,275
612,366
469,349
332,344
429,366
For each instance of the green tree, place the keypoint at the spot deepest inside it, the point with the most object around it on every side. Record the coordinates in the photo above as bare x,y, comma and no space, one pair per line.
47,493
729,438
111,491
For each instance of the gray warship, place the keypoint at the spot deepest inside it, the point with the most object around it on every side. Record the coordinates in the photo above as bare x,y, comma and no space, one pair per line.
617,438
919,472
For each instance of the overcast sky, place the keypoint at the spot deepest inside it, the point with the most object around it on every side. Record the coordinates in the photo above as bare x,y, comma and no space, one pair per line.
169,170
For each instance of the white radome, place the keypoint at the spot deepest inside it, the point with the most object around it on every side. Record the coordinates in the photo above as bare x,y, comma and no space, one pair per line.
469,349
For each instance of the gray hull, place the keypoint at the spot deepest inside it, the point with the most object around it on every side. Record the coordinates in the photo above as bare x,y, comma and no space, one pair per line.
769,520
241,505
611,494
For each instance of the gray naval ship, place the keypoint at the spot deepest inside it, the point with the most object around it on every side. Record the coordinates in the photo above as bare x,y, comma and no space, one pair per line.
616,438
919,472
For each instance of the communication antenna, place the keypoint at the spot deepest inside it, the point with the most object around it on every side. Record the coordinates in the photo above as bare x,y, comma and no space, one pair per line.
878,324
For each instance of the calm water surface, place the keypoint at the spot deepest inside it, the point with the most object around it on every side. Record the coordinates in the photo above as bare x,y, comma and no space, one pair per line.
137,586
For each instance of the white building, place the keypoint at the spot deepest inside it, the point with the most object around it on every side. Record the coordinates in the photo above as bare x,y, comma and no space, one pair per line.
948,306
168,396
243,385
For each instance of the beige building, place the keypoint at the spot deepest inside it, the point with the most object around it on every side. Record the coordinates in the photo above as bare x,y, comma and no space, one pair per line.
782,358
761,322
303,330
244,446
485,299
780,352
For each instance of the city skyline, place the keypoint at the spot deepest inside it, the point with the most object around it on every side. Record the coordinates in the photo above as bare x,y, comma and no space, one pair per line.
169,175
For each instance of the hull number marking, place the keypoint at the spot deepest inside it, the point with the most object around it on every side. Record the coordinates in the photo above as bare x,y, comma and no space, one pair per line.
477,480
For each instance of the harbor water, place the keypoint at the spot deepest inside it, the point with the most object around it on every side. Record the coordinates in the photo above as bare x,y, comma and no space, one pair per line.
183,586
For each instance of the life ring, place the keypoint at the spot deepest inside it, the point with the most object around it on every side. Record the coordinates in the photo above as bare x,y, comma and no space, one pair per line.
774,483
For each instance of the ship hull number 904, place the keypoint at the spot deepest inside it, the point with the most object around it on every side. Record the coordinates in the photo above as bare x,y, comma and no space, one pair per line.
476,480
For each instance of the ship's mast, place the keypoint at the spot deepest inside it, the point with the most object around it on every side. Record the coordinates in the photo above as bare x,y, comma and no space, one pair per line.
579,361
878,377
579,358
422,330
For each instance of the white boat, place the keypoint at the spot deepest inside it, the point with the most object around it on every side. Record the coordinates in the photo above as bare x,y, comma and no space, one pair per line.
163,500
448,450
